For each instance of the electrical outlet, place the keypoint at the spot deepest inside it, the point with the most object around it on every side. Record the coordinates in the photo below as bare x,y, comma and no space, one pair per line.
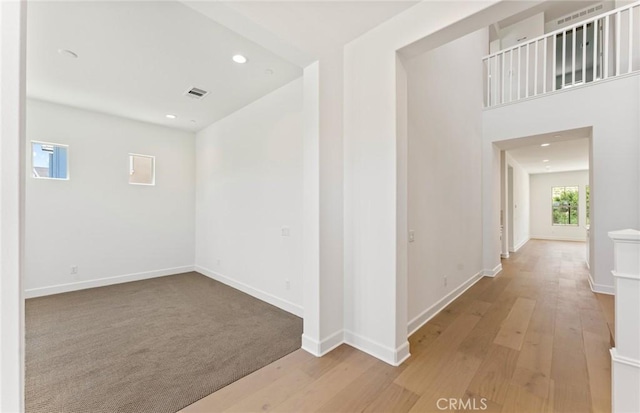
74,269
412,235
287,284
285,231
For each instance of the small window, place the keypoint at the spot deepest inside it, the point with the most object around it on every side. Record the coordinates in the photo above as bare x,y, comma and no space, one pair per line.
142,169
49,160
565,205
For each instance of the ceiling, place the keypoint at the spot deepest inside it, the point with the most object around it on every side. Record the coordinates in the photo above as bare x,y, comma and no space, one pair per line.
137,59
565,153
319,26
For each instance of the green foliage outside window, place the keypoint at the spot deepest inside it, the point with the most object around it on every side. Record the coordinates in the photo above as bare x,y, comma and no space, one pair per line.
565,205
587,193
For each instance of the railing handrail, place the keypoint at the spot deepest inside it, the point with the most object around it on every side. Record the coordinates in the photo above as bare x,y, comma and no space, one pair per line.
564,29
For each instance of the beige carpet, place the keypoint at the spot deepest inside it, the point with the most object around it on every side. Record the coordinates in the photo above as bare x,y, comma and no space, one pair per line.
148,346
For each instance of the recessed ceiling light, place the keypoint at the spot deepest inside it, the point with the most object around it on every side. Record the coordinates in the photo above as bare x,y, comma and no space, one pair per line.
545,160
68,53
239,58
171,116
268,72
545,144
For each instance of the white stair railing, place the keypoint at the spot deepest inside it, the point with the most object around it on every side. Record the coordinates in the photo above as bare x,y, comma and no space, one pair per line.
597,48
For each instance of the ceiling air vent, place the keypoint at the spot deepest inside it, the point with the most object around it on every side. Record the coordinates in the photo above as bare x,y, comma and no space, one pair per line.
196,93
580,14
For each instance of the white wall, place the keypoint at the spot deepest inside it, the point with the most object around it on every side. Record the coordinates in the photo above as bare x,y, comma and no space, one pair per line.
615,186
521,213
375,311
541,185
12,105
111,230
444,185
249,185
527,29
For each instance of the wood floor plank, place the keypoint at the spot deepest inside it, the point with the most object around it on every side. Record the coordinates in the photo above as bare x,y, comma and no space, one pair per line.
327,385
537,353
272,394
417,376
238,391
363,391
599,367
515,326
393,399
493,378
451,383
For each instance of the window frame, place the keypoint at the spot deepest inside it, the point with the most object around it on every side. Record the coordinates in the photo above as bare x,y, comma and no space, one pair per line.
153,169
62,145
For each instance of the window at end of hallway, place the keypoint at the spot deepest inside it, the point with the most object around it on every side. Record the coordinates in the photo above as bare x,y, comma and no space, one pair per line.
142,169
564,205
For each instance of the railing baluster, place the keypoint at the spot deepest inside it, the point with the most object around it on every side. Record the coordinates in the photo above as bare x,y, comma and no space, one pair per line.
618,21
564,58
511,75
594,68
573,57
495,83
519,70
502,77
584,53
526,74
535,70
544,67
554,69
630,40
488,78
605,48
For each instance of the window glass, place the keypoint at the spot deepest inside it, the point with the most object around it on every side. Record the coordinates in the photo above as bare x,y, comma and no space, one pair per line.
49,160
565,205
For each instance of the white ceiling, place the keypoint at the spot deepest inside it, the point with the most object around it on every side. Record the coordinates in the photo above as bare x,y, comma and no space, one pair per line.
136,60
563,155
319,26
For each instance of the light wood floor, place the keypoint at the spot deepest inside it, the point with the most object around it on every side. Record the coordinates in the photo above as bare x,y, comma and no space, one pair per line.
533,339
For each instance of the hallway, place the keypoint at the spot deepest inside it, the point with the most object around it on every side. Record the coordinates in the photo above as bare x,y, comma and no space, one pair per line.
533,339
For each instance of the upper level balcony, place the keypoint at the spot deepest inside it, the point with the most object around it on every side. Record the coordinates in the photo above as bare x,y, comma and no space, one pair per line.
595,49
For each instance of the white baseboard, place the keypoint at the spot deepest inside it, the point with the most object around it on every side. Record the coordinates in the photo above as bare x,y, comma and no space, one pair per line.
559,238
320,348
493,272
259,294
430,312
601,288
503,255
102,282
520,245
395,357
